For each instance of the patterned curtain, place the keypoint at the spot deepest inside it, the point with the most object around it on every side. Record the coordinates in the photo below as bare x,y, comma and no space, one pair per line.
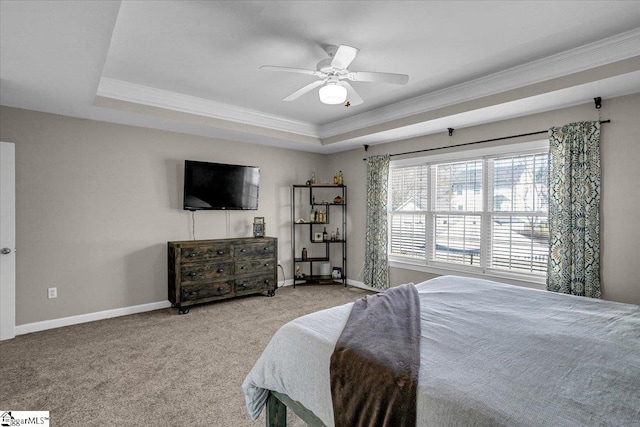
574,209
376,269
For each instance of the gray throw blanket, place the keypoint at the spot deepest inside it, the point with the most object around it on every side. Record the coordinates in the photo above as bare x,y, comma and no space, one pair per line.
375,363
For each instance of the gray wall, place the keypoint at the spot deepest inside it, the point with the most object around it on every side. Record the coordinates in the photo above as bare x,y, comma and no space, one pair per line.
620,202
97,202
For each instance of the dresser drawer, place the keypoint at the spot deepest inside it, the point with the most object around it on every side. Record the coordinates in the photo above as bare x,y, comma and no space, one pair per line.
198,291
255,283
253,266
260,249
198,253
205,271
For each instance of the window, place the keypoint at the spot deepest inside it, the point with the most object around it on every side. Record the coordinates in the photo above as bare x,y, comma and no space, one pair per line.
485,214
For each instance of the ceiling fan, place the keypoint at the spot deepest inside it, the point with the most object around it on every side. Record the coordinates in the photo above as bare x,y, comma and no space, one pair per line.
333,73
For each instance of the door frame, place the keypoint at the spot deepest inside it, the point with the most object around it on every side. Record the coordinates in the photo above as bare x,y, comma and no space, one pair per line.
7,240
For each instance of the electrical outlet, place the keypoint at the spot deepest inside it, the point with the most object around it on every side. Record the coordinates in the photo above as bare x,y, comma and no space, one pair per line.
52,292
279,262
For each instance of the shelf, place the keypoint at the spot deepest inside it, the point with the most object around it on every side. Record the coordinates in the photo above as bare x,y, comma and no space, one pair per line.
317,259
320,279
319,186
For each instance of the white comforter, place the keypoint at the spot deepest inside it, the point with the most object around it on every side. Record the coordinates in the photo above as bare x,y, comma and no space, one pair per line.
491,354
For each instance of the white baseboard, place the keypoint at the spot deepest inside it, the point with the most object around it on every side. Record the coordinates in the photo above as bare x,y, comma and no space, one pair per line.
117,312
361,285
89,317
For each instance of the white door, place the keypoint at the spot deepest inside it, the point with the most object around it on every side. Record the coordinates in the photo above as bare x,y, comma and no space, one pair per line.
7,241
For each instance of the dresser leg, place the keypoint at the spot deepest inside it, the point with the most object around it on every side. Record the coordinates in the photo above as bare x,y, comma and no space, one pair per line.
271,292
183,310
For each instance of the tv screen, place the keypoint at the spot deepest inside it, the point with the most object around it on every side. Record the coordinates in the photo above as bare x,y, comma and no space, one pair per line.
220,186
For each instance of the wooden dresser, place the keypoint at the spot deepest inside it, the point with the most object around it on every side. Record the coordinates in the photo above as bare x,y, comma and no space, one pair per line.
209,270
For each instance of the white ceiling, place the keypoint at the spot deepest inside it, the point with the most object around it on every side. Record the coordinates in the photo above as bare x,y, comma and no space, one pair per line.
193,66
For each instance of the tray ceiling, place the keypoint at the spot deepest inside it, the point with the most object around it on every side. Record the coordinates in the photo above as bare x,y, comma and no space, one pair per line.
193,66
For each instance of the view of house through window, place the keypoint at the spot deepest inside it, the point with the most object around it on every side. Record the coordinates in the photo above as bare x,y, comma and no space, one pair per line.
487,213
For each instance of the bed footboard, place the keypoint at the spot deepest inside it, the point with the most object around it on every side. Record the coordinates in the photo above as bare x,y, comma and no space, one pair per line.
276,411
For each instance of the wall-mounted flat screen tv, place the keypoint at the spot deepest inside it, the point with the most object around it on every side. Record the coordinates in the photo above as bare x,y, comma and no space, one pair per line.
218,186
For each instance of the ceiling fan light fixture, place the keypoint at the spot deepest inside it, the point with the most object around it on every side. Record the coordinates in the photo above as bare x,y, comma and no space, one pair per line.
332,94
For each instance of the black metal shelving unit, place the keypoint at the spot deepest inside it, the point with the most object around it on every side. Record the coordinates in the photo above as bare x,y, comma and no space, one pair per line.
300,238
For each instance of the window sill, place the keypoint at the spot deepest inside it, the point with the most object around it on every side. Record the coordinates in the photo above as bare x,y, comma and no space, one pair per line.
536,282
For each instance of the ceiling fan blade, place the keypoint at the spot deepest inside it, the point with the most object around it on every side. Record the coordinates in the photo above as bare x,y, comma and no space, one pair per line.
294,70
344,56
352,96
369,76
303,90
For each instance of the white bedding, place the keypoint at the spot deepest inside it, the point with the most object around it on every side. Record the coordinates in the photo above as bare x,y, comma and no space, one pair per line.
490,354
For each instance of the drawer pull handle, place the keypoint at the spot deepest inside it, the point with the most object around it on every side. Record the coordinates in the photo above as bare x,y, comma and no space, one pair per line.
193,293
192,274
267,281
192,254
220,270
266,248
243,250
221,289
242,286
220,252
266,264
243,267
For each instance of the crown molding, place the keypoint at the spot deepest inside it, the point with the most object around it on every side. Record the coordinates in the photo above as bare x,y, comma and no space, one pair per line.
145,95
603,52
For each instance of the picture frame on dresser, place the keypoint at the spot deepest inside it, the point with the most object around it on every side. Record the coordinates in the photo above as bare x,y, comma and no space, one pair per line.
259,226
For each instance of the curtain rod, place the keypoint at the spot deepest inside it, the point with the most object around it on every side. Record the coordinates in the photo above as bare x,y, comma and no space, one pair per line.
472,143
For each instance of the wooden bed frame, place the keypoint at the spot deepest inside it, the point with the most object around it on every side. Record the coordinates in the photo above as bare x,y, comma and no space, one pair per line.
276,415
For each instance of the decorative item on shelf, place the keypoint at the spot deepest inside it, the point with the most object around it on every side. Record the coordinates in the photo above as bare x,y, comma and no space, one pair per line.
313,200
299,273
340,178
325,270
333,236
325,236
338,200
258,226
304,254
317,237
336,273
300,221
338,234
312,215
313,178
335,178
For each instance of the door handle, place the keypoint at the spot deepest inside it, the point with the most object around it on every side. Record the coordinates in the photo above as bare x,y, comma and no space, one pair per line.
5,251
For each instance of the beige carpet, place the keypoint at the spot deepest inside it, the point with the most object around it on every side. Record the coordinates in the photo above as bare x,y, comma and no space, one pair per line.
156,368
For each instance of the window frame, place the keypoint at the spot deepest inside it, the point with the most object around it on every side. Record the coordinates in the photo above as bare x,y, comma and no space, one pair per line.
482,271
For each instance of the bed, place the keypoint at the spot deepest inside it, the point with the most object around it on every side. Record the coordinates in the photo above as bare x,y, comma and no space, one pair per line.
490,354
